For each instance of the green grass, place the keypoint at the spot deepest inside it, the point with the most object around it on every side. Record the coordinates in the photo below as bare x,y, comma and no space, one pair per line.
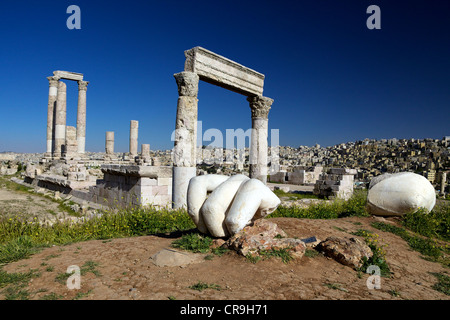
15,284
294,195
434,224
194,242
355,206
443,284
431,249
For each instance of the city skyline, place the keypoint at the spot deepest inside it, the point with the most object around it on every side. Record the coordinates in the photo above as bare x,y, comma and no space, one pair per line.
332,79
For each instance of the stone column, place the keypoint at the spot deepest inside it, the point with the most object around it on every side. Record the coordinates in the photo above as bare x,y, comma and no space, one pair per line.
109,143
145,150
60,121
52,92
260,107
134,125
81,116
184,150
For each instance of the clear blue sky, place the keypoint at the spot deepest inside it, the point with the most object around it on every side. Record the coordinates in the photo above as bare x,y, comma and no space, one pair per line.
333,80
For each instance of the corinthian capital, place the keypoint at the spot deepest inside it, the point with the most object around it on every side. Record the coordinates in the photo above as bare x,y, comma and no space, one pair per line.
187,83
53,81
82,85
260,106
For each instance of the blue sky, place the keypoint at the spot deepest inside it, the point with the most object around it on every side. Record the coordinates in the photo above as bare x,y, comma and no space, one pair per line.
333,80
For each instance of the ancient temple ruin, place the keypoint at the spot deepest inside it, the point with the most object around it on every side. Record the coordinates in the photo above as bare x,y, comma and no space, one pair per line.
202,64
136,177
63,141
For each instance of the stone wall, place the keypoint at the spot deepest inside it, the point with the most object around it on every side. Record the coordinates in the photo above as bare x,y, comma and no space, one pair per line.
130,185
336,183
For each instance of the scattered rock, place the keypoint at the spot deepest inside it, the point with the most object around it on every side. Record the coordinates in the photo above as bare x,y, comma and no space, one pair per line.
174,258
57,195
348,251
283,188
264,235
216,243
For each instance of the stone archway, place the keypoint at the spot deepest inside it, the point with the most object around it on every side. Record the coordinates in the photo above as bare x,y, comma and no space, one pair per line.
202,64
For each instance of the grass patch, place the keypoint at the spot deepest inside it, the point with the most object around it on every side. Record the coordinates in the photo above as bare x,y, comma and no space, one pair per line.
193,242
20,237
16,249
355,206
15,284
434,224
429,248
443,284
311,253
284,254
51,296
200,286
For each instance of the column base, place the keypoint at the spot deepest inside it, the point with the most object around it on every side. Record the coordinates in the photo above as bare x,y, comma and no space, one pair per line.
180,183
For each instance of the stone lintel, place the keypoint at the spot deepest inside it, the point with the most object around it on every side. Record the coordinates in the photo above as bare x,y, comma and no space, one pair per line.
223,72
138,171
75,76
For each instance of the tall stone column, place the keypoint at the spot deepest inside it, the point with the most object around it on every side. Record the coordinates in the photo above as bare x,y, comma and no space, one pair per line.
60,121
109,142
81,116
260,107
134,125
52,93
184,150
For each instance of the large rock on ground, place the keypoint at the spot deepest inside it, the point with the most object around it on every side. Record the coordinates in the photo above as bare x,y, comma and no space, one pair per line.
264,235
347,251
399,193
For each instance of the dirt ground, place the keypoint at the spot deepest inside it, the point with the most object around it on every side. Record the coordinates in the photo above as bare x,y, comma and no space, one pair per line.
21,204
124,269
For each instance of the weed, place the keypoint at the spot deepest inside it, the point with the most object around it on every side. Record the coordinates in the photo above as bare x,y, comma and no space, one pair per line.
284,254
379,254
193,242
311,253
430,248
200,286
220,251
335,286
81,295
15,283
89,266
394,293
51,296
443,284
